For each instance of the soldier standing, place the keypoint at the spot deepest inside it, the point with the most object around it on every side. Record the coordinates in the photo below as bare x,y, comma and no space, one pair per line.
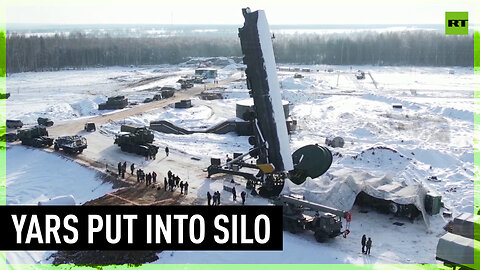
119,165
218,197
364,240
171,184
132,167
234,193
243,195
154,177
181,187
167,151
138,175
165,183
149,178
185,186
369,245
177,181
214,198
209,197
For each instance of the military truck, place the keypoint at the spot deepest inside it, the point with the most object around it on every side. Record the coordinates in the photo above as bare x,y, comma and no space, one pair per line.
325,223
114,103
36,136
47,122
70,144
167,93
90,126
137,140
14,123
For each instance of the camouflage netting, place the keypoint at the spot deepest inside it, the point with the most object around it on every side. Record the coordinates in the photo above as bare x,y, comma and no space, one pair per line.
340,189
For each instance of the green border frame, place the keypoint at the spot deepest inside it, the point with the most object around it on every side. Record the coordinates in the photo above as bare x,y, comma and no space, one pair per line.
3,117
3,264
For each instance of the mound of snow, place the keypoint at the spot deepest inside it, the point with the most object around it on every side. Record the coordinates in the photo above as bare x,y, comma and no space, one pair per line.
380,157
87,107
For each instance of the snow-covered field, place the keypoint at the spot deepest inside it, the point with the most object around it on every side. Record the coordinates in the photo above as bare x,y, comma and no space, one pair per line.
432,135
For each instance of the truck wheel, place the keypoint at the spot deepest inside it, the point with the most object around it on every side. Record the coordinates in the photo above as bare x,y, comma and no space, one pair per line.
56,147
393,208
320,236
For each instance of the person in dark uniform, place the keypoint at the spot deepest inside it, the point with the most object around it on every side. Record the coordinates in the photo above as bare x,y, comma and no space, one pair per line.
369,245
148,178
177,181
119,165
181,187
138,175
169,174
167,151
209,197
234,193
132,168
364,241
243,195
185,187
165,183
218,197
214,198
154,177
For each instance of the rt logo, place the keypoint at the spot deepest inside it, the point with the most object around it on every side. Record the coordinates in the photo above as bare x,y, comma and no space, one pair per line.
456,23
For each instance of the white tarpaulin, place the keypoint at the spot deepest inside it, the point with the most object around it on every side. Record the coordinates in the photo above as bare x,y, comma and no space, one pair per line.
340,189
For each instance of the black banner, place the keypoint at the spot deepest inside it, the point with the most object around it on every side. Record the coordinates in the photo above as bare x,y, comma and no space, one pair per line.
141,228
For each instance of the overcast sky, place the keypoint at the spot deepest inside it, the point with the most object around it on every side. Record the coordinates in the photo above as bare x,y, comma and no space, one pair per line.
229,11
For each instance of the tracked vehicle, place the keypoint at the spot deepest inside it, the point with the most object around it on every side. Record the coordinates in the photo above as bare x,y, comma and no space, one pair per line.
70,144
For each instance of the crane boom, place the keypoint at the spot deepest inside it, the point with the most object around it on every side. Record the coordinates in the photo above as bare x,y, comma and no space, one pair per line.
287,199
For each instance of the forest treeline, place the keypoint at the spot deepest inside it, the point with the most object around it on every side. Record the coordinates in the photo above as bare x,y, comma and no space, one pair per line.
418,48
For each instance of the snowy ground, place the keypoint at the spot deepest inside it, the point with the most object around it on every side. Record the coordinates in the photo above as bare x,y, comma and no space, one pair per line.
432,135
34,175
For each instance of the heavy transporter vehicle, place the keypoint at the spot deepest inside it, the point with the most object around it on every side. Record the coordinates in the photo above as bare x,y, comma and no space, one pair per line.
325,223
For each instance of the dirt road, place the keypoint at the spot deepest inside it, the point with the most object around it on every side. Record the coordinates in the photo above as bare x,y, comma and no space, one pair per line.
71,127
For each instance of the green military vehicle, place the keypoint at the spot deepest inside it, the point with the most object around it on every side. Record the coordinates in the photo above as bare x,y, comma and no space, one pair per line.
114,103
47,122
70,144
14,123
136,140
325,223
36,136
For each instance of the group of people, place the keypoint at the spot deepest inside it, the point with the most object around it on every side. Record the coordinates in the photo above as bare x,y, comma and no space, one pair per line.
122,168
215,199
149,177
366,243
173,182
